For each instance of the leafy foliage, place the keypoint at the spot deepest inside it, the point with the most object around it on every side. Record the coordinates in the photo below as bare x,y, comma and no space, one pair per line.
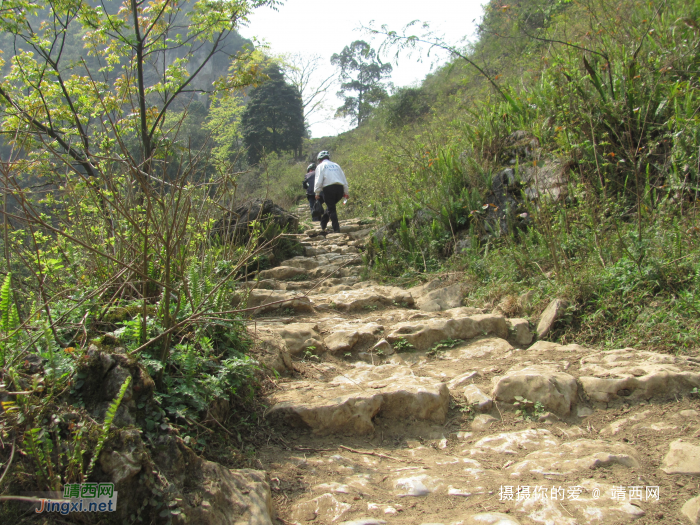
107,425
362,73
273,120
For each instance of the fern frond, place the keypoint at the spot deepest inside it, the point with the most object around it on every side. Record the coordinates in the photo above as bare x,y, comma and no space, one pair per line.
34,443
107,425
5,301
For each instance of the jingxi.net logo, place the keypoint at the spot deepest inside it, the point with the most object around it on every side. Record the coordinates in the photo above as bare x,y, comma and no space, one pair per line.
81,497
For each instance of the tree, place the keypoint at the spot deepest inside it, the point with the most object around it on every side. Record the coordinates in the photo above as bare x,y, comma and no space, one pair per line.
303,73
362,73
273,120
86,104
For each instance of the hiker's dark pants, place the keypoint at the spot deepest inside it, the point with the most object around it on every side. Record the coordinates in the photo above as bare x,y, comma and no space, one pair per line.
332,195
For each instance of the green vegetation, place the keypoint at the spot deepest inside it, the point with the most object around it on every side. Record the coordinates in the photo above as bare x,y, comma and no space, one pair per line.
528,410
566,165
112,272
556,155
273,120
443,345
401,345
362,73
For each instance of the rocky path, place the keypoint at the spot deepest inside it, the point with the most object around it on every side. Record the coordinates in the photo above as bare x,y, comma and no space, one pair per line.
402,406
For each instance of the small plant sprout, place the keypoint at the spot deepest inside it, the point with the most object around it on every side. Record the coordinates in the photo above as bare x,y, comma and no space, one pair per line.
401,345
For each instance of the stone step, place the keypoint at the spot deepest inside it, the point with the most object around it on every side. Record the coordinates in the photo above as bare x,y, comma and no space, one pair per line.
348,403
322,260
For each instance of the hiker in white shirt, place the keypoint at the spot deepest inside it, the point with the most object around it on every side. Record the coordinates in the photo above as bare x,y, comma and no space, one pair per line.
332,185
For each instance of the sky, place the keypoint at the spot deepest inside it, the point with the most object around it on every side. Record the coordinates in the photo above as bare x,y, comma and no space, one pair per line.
324,27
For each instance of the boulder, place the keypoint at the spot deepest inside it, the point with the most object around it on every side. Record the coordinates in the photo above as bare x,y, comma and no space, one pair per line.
268,300
124,457
491,518
550,315
301,337
384,347
281,273
545,180
360,234
482,422
555,390
579,455
520,331
209,493
322,509
462,380
424,333
348,403
235,225
591,501
477,399
630,375
691,510
347,336
341,340
513,443
435,300
355,300
682,458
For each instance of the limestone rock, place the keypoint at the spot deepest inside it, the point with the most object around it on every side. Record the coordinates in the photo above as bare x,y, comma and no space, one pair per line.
323,509
691,510
555,390
525,301
355,300
423,334
491,518
592,502
210,493
462,380
616,426
520,328
342,340
550,316
300,337
579,455
546,180
416,485
434,300
463,311
477,399
384,347
360,234
348,403
305,405
517,442
632,375
546,346
682,458
482,422
347,336
364,522
281,273
121,463
265,301
325,260
236,223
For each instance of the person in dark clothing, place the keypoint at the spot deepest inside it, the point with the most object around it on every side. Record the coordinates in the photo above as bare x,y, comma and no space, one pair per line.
308,185
333,186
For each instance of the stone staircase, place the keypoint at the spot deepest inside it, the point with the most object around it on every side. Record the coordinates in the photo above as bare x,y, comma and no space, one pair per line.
402,406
